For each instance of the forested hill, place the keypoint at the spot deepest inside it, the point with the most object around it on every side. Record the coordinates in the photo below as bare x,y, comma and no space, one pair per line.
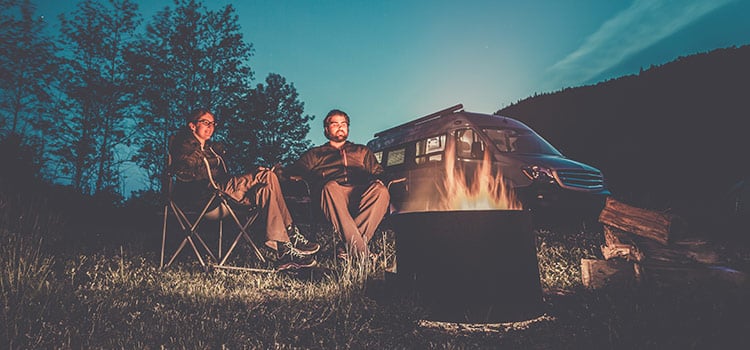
674,135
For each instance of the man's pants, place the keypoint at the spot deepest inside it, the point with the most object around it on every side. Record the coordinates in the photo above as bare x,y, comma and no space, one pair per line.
355,211
263,190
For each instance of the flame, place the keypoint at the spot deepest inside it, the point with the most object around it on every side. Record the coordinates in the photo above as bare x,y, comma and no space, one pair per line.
483,192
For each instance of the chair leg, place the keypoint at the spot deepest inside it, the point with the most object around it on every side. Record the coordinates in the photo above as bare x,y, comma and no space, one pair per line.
163,236
203,243
243,234
186,240
189,231
243,231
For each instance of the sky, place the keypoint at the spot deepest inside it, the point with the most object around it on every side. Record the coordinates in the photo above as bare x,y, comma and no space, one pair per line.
390,61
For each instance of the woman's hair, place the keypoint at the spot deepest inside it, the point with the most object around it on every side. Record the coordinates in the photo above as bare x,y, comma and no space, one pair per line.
195,115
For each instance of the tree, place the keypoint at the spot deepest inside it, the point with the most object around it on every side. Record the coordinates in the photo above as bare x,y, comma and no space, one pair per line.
26,65
97,96
190,57
273,130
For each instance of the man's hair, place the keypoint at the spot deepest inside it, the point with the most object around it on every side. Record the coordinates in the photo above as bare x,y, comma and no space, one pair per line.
327,119
195,115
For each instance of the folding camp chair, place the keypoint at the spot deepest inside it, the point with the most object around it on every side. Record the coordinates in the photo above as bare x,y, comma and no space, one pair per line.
219,207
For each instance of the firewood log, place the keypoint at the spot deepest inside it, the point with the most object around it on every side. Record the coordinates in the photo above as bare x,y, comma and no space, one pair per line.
618,244
603,273
642,222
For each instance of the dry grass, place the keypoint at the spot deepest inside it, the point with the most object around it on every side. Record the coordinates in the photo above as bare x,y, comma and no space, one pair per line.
116,297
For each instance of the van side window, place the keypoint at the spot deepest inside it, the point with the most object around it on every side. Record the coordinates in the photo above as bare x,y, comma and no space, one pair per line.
395,157
430,149
468,144
379,156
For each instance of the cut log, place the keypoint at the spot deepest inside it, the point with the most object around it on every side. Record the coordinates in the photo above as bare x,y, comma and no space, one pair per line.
619,244
615,236
641,222
624,251
597,274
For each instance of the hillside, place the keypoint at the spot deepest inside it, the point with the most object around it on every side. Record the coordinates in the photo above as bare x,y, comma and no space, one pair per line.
671,138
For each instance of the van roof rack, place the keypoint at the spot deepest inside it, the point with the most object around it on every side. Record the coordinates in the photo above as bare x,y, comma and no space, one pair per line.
424,119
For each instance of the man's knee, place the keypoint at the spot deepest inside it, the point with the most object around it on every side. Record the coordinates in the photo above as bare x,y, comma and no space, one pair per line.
331,186
380,192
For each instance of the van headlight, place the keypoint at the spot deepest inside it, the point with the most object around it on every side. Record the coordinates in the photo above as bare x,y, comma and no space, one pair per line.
537,173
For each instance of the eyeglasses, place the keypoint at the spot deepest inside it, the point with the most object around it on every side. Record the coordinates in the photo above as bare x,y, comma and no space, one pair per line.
207,123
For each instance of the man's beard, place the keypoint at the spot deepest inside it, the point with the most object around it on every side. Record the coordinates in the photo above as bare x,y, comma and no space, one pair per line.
337,137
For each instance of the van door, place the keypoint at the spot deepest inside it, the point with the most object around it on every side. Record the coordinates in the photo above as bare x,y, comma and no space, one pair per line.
421,169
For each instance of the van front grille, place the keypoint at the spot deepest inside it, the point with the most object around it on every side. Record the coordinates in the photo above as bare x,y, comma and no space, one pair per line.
580,180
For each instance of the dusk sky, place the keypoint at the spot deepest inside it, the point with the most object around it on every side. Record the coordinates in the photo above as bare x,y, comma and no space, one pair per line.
387,62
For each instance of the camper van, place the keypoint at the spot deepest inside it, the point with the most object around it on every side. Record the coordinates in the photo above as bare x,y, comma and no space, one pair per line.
540,177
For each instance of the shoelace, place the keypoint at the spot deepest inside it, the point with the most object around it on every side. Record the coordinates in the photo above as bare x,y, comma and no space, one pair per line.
293,252
298,237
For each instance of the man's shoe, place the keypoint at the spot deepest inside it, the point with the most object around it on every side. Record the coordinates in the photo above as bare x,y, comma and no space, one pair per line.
300,243
291,258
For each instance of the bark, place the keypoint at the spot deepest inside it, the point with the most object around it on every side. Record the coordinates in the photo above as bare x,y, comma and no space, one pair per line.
654,225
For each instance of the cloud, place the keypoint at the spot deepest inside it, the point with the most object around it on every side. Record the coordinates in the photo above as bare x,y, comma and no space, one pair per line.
643,24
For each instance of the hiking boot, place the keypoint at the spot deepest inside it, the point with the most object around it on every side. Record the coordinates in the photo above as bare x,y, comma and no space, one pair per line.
290,258
300,243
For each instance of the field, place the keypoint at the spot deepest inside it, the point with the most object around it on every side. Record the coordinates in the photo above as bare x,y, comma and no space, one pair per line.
101,287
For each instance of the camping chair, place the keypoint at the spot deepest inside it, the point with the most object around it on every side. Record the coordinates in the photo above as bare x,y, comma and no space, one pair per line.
219,207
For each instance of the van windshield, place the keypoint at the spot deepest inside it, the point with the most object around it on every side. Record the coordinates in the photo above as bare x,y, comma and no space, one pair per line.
520,141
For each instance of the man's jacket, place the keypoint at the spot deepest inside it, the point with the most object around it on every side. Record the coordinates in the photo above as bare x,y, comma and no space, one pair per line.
352,164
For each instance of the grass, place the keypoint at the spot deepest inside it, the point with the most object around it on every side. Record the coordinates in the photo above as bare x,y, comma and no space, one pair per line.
110,294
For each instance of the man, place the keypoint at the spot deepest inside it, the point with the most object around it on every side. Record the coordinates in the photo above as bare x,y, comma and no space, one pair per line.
191,148
353,198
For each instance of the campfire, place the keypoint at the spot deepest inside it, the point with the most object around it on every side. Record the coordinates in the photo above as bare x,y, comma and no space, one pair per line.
482,191
475,218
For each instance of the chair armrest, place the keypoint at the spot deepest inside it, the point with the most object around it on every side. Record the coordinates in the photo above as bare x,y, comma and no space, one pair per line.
395,181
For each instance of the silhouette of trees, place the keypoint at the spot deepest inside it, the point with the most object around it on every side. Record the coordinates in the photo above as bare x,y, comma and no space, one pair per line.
27,75
273,129
26,59
96,108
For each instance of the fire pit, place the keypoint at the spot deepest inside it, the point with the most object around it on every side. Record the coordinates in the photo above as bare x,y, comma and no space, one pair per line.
473,266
